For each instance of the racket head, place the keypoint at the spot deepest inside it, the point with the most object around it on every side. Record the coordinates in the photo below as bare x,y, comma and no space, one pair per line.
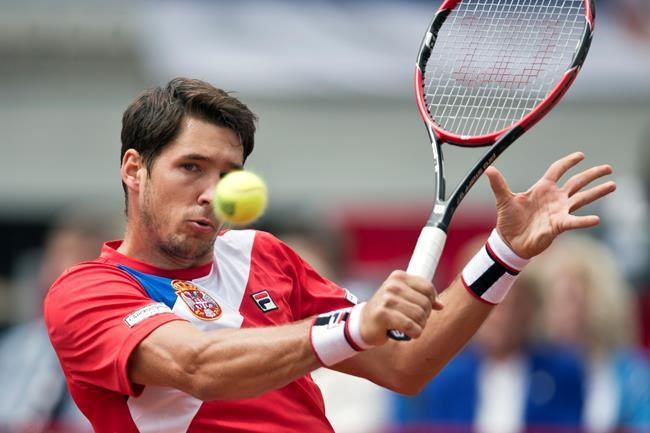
488,66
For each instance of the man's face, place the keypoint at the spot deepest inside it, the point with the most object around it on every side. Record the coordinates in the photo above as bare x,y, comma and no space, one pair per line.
175,199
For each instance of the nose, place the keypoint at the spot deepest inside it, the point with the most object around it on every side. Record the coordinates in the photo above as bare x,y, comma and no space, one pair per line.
207,194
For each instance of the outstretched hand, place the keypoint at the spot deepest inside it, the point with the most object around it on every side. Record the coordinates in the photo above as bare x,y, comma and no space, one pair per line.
531,220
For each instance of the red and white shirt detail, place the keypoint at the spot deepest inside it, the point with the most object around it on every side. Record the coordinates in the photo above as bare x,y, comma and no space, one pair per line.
98,312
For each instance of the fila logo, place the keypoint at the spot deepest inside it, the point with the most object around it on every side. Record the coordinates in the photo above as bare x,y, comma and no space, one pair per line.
264,301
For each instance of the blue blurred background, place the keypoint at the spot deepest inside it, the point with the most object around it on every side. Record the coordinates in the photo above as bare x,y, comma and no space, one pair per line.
340,141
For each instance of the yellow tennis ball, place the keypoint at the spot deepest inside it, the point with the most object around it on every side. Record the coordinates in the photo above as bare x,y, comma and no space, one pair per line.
240,197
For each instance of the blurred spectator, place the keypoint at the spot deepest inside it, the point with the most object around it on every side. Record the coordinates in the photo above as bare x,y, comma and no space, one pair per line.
503,382
33,393
588,305
626,230
626,220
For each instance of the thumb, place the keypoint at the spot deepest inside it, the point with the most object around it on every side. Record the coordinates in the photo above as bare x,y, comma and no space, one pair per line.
498,184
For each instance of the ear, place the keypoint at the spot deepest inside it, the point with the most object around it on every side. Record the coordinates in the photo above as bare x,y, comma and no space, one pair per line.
131,170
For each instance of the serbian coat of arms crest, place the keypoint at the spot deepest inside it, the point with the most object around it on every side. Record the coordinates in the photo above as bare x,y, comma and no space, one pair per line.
200,303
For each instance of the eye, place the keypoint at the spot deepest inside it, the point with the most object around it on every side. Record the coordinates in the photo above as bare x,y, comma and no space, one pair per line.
190,167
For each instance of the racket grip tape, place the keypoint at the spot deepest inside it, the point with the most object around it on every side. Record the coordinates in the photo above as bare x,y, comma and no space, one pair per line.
424,262
428,250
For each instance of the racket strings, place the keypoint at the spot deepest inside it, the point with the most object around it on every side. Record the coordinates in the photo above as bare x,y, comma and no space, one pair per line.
494,61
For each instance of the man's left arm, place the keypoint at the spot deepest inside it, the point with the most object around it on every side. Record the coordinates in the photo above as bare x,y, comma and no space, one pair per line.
527,223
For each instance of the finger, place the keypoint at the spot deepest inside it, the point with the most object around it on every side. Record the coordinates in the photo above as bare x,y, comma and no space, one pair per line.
580,180
400,314
579,222
416,283
584,198
403,323
561,166
498,184
401,296
428,290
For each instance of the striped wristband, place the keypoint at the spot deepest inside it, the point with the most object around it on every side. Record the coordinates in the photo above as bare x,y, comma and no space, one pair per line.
492,271
336,335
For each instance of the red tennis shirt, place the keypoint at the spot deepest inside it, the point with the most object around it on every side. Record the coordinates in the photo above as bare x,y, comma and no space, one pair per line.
98,312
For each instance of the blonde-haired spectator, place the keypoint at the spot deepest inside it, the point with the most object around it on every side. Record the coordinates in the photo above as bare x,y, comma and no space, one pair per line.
587,304
505,380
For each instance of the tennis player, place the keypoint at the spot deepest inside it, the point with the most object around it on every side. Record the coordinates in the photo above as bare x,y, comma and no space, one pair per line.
184,327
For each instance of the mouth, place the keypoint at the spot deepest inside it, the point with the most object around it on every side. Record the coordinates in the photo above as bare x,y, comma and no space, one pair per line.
203,223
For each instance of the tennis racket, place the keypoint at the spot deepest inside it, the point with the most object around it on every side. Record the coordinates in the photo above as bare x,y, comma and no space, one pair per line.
486,72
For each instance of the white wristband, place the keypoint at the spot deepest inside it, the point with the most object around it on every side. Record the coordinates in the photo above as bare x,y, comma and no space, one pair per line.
492,271
336,335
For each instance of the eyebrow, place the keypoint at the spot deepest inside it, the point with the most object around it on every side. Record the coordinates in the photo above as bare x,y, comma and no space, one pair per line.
199,157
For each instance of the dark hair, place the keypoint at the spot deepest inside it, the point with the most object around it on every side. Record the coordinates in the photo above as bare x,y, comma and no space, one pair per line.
154,118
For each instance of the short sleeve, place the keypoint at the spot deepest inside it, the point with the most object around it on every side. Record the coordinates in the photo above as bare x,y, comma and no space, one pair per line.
96,315
312,293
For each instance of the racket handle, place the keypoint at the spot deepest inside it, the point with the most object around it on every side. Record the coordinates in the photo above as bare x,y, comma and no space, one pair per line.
428,250
424,262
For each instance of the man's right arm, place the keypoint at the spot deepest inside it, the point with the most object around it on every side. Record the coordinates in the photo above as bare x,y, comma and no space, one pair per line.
109,334
224,363
91,311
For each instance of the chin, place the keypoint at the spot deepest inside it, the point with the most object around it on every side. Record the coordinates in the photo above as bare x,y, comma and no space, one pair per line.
190,248
202,246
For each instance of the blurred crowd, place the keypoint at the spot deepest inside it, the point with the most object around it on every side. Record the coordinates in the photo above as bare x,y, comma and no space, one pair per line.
33,393
562,353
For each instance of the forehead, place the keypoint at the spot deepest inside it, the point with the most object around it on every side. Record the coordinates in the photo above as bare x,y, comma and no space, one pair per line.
205,139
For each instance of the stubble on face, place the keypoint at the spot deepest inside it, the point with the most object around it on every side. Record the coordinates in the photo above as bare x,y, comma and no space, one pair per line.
181,248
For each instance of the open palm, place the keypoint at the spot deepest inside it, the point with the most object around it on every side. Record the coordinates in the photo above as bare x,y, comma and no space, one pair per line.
530,221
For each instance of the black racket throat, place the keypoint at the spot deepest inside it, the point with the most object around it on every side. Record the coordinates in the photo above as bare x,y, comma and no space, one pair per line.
444,208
